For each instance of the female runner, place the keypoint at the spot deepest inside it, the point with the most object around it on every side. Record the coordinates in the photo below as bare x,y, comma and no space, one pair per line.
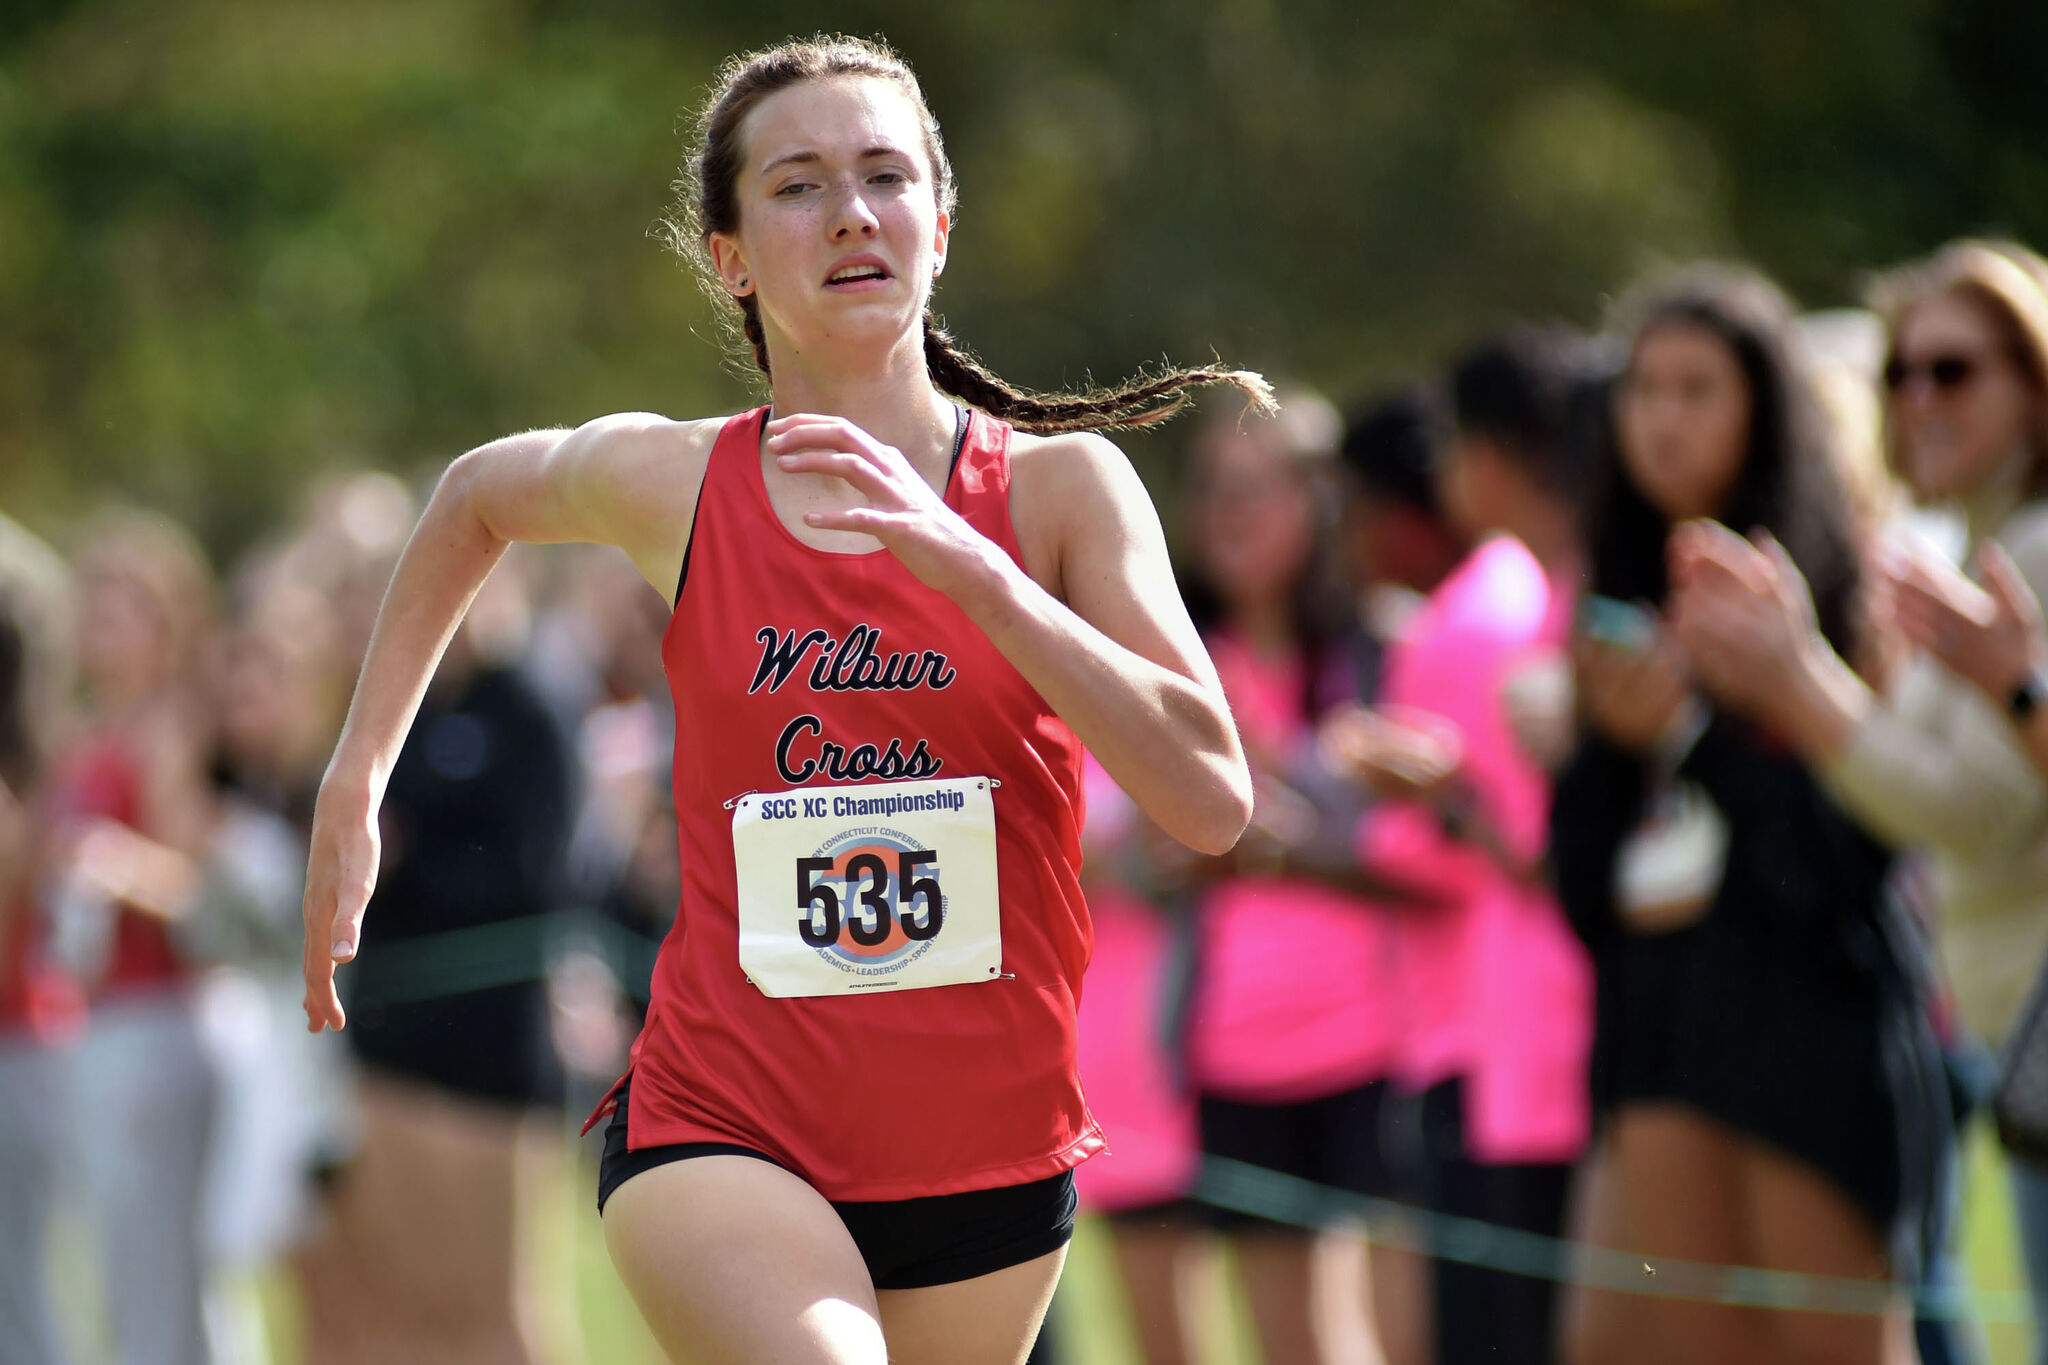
897,622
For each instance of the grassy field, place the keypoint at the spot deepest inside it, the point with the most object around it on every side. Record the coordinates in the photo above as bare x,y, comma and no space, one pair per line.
1092,1323
1990,1243
1096,1332
597,1322
1093,1320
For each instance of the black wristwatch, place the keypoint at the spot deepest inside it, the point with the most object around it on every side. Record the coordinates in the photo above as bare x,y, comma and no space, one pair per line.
2030,696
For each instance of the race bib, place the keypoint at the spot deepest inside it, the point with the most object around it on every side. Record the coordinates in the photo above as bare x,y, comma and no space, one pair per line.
1669,869
878,887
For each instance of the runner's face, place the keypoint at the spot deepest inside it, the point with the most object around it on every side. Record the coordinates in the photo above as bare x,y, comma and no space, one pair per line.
840,232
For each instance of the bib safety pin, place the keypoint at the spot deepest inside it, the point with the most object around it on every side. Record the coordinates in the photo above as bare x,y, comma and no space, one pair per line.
751,791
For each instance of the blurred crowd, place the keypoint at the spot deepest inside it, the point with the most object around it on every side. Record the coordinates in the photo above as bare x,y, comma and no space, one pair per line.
1651,852
163,742
1649,843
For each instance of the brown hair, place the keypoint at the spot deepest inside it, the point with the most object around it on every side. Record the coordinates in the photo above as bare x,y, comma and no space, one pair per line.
2010,283
707,203
160,559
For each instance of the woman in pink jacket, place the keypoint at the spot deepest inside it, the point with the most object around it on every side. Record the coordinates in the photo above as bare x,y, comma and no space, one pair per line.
1497,992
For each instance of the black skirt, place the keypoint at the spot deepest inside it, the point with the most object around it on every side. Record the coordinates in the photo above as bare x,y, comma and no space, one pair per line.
1758,1030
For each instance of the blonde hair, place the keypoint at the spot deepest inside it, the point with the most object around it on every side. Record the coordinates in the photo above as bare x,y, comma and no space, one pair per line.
2003,277
156,555
1845,348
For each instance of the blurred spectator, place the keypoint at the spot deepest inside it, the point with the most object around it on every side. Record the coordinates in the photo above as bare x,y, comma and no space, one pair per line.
285,1120
597,656
1931,760
1499,1031
1522,406
1845,349
129,813
1291,1028
356,527
448,1016
1764,1081
1134,1072
1398,548
37,1006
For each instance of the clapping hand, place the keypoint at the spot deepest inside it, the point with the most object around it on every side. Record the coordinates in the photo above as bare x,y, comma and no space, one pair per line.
1742,613
1394,752
1631,696
1991,636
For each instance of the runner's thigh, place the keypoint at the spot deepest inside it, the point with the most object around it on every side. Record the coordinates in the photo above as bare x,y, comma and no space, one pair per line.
733,1260
989,1320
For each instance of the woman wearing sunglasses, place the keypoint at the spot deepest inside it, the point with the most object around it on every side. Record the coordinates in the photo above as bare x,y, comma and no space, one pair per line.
1929,758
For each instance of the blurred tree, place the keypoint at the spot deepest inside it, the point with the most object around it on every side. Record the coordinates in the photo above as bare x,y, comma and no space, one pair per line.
245,240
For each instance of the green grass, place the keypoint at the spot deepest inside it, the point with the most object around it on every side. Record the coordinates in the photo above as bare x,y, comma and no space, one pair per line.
1096,1328
1990,1241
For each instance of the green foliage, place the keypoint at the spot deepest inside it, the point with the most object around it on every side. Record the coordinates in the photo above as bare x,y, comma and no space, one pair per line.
244,240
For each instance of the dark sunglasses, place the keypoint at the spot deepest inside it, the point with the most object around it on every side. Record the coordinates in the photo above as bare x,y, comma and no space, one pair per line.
1946,372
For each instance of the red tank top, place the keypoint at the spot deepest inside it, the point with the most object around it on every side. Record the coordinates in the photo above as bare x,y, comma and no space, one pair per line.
17,963
102,778
37,1000
793,667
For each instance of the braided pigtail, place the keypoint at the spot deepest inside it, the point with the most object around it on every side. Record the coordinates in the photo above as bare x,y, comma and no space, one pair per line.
708,203
1138,404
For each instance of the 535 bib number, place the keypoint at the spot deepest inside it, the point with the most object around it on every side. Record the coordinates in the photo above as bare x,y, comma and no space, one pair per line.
852,889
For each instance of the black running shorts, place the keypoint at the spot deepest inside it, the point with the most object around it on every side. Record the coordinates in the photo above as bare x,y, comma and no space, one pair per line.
907,1243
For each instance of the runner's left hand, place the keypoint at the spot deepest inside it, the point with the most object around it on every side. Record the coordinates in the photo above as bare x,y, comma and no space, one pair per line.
903,512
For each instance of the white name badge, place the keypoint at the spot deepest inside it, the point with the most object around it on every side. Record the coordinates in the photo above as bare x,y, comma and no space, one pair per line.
1669,869
877,887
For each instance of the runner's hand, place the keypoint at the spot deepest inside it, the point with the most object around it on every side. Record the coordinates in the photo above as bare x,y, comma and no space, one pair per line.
912,520
340,875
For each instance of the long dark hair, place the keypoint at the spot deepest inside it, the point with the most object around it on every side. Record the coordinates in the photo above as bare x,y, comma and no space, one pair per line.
1306,434
1516,386
707,203
1788,484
